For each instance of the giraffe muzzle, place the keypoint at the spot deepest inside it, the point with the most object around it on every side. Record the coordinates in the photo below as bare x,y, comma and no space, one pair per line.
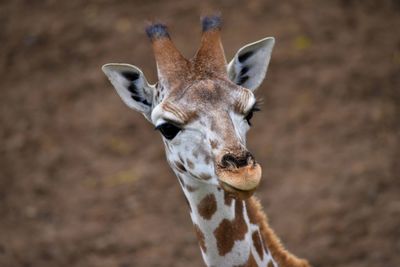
239,174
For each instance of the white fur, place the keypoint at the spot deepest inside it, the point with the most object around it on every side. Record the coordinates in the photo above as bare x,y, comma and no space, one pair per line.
193,143
241,249
257,63
113,72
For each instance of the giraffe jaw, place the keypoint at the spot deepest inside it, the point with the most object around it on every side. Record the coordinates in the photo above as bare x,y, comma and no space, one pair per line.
242,182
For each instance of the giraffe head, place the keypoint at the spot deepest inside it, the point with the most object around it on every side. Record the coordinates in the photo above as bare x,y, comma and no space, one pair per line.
201,106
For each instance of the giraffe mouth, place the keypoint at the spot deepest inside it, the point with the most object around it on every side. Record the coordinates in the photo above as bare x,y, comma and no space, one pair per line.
237,193
242,181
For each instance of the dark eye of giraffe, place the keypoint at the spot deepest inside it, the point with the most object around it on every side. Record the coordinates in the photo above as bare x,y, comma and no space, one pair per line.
250,114
168,130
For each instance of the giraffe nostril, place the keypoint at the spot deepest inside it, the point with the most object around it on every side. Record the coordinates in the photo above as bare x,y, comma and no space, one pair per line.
230,160
250,159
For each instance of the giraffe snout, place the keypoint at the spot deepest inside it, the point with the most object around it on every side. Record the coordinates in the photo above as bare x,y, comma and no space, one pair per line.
239,172
230,160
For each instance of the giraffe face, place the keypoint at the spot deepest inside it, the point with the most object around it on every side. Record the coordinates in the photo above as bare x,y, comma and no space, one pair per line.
207,141
202,106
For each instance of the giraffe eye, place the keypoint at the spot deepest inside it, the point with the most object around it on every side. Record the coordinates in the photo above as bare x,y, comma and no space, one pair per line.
250,114
168,130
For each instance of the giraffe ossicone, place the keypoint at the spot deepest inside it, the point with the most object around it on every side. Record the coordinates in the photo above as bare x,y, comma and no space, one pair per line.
203,108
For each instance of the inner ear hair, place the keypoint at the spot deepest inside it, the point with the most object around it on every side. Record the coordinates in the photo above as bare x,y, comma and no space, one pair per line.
131,85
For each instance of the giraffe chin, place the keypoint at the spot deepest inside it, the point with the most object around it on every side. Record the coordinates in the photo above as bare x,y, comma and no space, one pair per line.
241,182
237,193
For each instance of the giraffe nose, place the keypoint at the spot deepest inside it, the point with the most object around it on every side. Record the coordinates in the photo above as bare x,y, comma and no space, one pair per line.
231,160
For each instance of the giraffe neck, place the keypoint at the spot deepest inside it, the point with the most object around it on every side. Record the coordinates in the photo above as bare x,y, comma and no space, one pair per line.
227,229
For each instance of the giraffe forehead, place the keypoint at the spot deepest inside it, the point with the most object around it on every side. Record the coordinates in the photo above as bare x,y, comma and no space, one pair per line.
212,95
206,100
204,92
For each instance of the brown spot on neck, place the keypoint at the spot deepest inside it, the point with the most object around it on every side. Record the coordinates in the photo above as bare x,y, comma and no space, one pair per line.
257,244
200,238
227,199
207,206
229,231
251,262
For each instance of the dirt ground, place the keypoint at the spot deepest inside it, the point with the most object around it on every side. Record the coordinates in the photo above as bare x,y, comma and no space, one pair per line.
84,180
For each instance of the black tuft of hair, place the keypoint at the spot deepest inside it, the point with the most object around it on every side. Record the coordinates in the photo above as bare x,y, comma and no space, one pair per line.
243,57
157,30
211,22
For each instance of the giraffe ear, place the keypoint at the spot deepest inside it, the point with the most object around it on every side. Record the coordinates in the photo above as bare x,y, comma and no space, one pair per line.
249,66
132,86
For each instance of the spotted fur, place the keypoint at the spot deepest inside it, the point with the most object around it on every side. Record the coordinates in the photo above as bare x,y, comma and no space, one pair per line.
208,101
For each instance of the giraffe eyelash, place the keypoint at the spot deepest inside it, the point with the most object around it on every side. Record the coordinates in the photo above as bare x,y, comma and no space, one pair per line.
256,107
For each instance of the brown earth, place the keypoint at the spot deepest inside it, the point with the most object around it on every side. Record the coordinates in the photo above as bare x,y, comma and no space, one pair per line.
83,179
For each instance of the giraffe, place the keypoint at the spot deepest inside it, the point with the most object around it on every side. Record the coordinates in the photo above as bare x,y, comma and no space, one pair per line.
203,108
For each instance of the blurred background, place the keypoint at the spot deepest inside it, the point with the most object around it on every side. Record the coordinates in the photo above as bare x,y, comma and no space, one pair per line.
84,180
